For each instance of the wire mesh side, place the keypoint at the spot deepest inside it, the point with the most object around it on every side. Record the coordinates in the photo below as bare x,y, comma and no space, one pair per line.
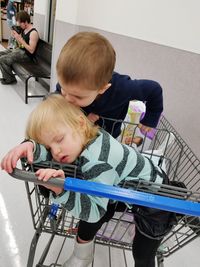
188,172
188,169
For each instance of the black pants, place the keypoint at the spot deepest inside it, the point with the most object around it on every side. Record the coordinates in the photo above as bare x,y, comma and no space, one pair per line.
144,248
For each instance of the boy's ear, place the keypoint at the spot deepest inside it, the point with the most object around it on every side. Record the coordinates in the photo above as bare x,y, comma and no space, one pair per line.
105,88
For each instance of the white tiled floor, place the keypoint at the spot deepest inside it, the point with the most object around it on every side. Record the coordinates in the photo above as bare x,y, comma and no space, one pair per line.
16,229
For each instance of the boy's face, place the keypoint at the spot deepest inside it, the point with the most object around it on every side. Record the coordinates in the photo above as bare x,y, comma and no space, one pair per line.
79,96
23,25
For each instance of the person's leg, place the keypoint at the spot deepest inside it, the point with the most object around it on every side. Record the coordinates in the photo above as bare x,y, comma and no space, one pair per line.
144,250
3,54
83,227
83,252
7,58
151,227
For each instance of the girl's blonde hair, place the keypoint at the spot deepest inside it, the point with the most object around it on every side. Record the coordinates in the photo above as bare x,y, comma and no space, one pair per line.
55,110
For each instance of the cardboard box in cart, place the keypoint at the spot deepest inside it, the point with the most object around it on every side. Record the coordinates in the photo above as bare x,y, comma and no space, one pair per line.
135,111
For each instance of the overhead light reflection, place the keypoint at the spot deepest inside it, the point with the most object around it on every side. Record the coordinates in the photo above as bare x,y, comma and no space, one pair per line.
12,245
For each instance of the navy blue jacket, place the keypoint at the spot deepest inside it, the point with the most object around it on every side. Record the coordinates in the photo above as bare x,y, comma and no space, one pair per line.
115,101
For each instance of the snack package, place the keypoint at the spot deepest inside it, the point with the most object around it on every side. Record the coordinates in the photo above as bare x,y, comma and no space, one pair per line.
135,111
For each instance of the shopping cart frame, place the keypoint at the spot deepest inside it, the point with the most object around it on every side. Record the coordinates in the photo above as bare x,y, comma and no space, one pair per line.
181,165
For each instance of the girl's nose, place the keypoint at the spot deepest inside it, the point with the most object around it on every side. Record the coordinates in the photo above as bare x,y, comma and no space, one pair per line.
56,150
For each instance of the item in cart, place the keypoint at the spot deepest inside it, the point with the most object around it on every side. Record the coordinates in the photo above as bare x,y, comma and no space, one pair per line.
130,132
120,228
157,155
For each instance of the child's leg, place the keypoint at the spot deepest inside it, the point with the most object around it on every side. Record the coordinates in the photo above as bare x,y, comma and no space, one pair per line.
151,227
82,255
83,252
87,231
144,250
84,243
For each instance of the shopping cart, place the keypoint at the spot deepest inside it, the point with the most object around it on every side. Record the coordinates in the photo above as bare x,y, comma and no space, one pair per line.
169,151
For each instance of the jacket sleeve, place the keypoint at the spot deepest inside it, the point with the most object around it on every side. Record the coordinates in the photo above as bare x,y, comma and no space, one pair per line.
40,153
147,91
86,207
153,99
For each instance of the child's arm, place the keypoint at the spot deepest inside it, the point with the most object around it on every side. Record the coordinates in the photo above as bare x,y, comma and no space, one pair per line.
93,117
29,149
86,207
46,174
9,162
144,129
148,91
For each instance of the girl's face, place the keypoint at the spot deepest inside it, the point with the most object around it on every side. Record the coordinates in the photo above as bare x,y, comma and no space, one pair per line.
65,143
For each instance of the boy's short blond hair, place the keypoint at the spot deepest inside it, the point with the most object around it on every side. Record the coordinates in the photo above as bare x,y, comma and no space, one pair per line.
53,111
87,59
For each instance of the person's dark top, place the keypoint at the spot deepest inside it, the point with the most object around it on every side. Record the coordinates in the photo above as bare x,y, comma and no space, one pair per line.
26,38
115,101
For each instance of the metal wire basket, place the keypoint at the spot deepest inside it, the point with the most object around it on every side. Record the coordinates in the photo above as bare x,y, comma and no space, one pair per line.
179,163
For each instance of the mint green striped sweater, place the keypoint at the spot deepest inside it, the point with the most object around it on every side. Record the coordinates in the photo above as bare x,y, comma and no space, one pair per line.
105,160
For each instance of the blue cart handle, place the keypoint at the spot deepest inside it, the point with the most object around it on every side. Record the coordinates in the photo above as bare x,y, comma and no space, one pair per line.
133,197
129,196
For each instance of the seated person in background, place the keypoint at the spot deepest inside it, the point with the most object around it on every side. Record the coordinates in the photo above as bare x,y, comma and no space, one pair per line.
27,41
67,134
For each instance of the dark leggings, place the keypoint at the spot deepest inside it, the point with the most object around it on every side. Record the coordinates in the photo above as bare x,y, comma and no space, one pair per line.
144,248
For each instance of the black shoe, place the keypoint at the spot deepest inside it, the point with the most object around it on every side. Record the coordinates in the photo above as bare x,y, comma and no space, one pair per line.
3,81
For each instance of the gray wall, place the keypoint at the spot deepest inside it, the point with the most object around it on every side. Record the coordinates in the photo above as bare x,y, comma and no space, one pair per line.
39,24
176,70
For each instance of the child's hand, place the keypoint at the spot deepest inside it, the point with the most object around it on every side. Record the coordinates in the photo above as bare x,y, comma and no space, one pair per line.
17,36
46,174
144,129
137,140
93,117
9,162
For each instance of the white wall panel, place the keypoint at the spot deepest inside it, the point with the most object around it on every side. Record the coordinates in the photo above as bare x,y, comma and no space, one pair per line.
66,10
173,23
40,7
